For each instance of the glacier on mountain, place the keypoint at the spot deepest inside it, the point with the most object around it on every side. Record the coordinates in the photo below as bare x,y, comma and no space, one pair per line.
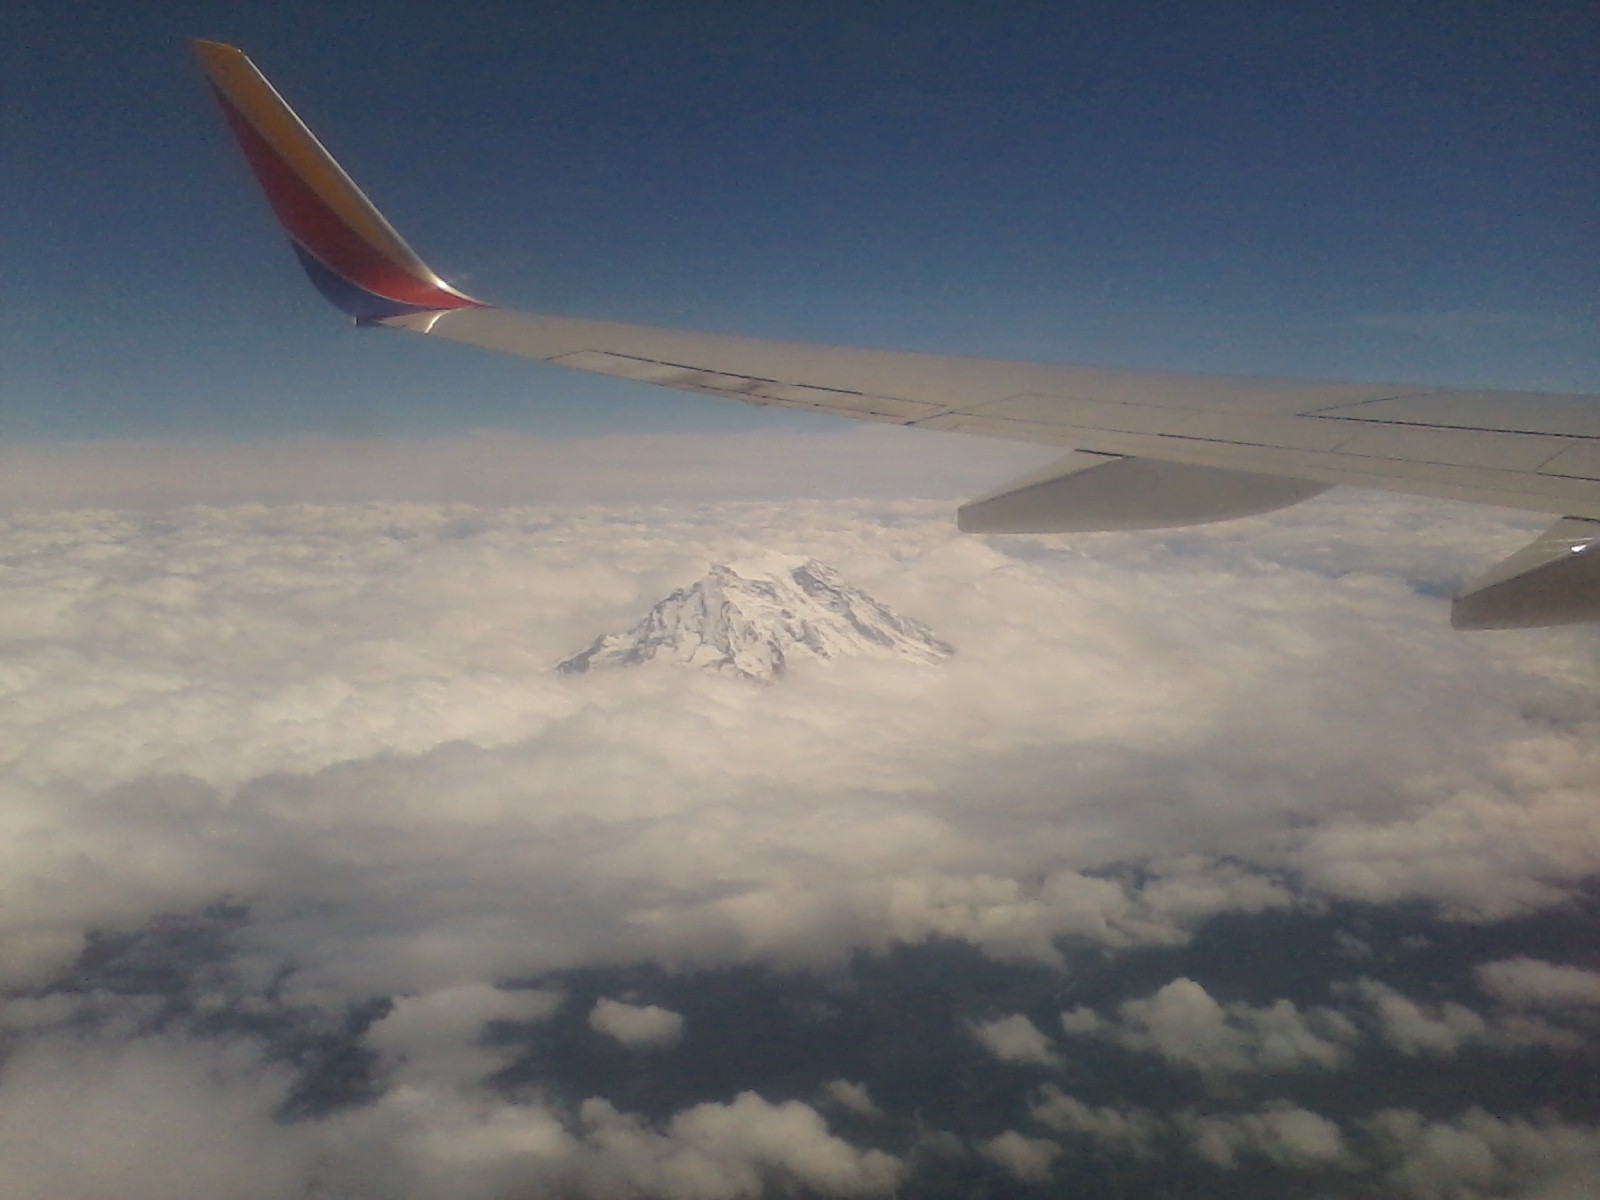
755,617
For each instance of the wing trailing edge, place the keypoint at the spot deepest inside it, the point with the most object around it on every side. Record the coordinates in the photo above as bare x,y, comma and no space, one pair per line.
1144,449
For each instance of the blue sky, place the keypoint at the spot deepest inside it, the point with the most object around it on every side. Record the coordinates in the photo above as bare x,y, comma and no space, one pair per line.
1404,193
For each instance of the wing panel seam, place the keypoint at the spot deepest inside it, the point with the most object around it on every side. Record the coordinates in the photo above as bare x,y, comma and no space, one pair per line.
1213,441
1327,416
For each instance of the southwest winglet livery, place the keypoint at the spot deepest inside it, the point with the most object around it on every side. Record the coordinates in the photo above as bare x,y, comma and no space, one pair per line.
1142,449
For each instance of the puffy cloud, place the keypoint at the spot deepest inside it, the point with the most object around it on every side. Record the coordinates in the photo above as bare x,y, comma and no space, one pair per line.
1183,1024
422,1142
1130,1131
433,1038
640,1026
352,686
1534,983
1016,1039
1519,827
1026,1159
851,1096
1281,1132
147,1118
161,1116
1414,1028
1442,1029
1478,1155
275,703
1082,1020
717,1151
1188,888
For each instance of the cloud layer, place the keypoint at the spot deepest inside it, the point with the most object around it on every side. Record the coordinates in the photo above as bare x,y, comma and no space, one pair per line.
340,723
503,467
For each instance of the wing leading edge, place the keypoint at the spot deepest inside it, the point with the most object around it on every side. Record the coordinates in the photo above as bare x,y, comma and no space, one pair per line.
1143,449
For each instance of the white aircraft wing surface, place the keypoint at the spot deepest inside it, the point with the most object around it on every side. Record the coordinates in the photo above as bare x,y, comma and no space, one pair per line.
1140,449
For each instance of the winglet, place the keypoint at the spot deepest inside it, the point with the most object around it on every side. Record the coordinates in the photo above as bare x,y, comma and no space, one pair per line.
354,256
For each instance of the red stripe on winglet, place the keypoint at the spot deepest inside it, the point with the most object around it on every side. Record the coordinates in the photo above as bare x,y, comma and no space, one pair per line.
323,232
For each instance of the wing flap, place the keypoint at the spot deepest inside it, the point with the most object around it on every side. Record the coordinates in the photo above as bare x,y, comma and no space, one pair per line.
1082,492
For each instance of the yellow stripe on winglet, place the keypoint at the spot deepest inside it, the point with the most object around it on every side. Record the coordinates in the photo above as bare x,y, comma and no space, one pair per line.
237,78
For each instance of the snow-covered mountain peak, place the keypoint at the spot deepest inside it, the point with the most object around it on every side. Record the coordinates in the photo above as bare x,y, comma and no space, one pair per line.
756,616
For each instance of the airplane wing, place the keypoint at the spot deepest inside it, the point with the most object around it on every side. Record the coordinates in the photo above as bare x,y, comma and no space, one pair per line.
1140,449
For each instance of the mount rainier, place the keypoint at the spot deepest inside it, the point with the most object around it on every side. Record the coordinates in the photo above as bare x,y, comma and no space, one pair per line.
754,618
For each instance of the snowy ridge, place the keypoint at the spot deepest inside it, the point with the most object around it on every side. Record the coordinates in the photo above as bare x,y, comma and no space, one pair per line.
755,617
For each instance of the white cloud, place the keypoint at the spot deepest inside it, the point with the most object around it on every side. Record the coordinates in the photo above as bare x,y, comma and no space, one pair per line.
1188,888
433,1038
1533,983
147,1119
1187,1027
420,1142
1280,1132
504,467
341,717
1480,1155
237,645
162,1116
1414,1028
1442,1029
1183,1024
1082,1020
852,1096
640,1026
1016,1039
728,1150
1284,1133
285,657
1130,1131
1028,1160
